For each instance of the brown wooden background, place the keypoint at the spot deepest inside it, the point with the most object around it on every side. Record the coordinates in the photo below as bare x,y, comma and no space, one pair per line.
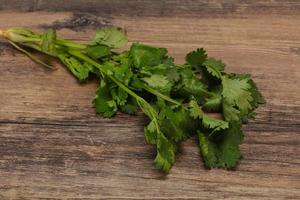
54,146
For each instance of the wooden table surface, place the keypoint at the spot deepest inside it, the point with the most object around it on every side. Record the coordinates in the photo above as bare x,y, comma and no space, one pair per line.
54,146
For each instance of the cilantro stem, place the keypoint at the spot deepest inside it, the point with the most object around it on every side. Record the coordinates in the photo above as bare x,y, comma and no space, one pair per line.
16,36
30,56
144,105
155,92
70,44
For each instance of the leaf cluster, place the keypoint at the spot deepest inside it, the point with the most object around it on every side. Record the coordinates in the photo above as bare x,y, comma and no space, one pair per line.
177,98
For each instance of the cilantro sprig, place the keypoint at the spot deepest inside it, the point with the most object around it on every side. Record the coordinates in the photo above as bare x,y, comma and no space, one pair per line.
177,98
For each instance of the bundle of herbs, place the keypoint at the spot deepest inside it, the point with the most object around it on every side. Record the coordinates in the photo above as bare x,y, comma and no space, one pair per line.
175,97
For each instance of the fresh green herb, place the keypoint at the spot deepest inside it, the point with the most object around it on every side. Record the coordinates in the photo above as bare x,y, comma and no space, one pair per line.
176,98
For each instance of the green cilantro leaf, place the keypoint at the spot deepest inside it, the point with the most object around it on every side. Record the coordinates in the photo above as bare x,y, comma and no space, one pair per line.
214,67
151,132
235,91
195,110
119,96
213,104
103,100
122,70
190,85
209,151
208,122
173,74
97,52
236,96
112,37
215,124
166,153
130,107
230,112
196,58
225,153
229,148
145,55
256,94
165,147
159,82
209,68
257,98
176,124
79,69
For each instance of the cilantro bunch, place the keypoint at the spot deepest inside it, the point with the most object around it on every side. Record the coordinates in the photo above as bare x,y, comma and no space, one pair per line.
175,97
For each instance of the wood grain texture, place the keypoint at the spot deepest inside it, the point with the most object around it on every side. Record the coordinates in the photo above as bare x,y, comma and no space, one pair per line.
54,146
207,8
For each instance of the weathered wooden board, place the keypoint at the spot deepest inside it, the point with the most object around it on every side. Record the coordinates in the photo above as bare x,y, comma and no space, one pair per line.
54,146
